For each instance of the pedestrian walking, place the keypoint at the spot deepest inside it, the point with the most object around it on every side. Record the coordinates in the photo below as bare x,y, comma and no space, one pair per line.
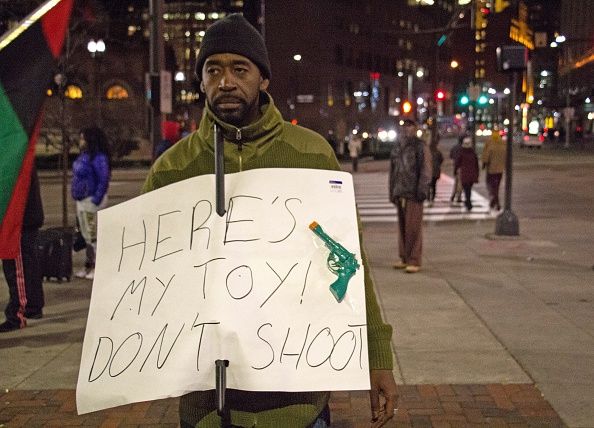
493,160
457,189
468,168
355,147
234,73
436,161
410,174
91,172
23,274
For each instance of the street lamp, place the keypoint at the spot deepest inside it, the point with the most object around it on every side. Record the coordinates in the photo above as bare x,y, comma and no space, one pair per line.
96,49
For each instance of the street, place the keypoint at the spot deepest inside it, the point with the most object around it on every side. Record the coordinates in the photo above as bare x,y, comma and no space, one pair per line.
552,183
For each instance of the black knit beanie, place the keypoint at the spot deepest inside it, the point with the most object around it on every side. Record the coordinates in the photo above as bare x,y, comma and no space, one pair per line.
234,34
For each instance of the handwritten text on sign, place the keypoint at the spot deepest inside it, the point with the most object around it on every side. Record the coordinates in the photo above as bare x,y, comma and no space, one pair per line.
177,287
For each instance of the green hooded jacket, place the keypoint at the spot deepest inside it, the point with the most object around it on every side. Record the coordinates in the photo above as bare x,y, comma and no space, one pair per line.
270,142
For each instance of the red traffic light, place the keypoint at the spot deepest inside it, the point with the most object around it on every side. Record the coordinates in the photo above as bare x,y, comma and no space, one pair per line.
440,95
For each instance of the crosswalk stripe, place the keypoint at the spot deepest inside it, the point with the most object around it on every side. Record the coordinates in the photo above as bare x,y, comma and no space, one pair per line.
371,195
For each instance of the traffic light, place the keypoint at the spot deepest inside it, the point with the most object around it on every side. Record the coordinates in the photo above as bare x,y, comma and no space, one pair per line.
406,107
483,99
440,95
464,100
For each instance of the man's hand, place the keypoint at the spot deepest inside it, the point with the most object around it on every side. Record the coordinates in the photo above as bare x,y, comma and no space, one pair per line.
382,383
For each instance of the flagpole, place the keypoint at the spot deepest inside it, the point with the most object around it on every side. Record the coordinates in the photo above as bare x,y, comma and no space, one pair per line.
65,137
29,20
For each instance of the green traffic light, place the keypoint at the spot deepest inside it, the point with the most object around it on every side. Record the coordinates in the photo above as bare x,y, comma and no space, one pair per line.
464,100
483,100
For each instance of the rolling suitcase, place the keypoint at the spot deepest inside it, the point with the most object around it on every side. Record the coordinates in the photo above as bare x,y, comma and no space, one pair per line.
55,253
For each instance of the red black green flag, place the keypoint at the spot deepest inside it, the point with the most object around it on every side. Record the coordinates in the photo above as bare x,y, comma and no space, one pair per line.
28,54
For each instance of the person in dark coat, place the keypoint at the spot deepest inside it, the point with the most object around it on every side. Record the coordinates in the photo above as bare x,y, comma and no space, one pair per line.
436,161
23,274
457,189
467,166
410,174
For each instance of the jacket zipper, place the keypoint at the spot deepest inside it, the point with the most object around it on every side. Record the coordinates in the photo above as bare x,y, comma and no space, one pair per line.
239,147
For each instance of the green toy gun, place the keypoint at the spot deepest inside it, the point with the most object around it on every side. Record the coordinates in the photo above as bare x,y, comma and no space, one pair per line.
340,262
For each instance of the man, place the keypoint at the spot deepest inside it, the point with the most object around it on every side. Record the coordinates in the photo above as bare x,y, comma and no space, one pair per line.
23,274
410,174
436,161
457,189
493,159
467,168
355,147
234,73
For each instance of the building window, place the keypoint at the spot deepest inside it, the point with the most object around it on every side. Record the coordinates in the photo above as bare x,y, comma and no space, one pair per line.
116,92
73,92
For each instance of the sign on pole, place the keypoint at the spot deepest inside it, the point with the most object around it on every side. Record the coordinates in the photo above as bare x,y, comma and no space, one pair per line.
165,90
177,287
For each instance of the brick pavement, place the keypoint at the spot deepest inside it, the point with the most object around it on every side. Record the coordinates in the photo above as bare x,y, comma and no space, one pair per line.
438,406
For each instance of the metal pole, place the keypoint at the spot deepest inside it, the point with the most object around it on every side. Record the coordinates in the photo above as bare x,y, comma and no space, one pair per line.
434,102
65,137
97,91
567,111
155,66
472,114
221,387
65,152
507,221
219,170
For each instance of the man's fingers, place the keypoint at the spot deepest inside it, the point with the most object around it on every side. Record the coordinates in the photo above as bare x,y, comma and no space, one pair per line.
382,382
382,419
385,413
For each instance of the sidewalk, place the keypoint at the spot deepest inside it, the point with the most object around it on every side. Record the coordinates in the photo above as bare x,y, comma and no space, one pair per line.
480,334
419,406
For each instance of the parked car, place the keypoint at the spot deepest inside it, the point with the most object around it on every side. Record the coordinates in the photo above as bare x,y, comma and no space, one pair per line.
531,140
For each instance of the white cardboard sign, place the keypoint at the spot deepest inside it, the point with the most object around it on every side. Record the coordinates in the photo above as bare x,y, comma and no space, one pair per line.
177,287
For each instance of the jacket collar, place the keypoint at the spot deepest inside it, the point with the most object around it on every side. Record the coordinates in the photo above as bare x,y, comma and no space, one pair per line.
267,126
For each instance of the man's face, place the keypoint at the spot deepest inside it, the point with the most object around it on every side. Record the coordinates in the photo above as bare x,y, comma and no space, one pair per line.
232,84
